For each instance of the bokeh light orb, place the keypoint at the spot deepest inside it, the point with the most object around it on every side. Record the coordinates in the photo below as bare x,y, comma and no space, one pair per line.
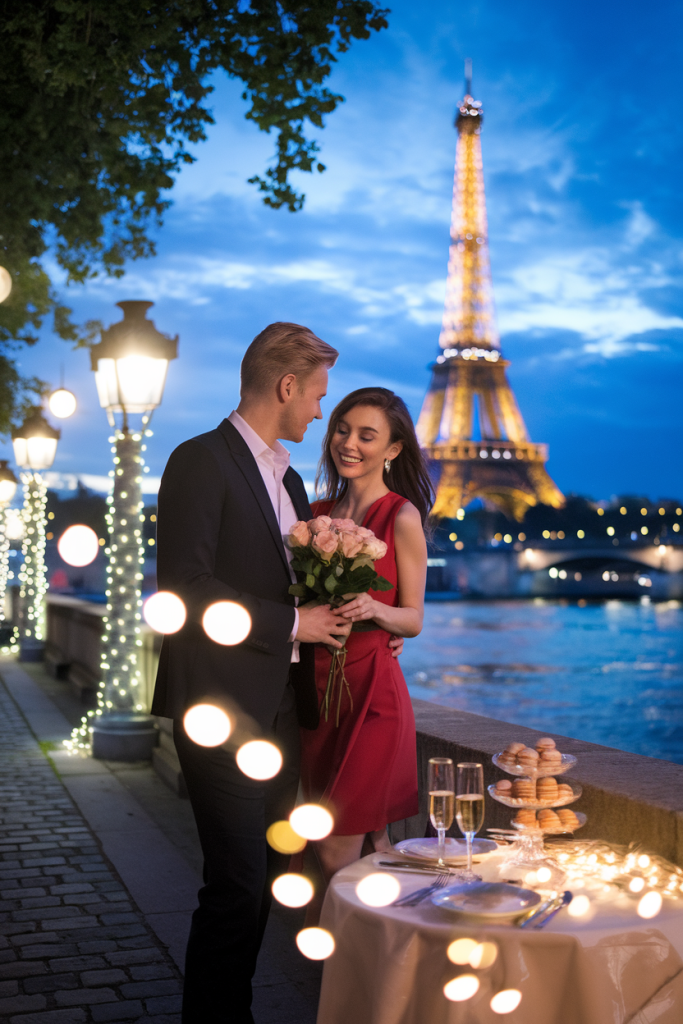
460,951
5,284
315,943
14,524
78,546
292,890
227,623
164,612
649,905
259,759
506,1000
483,955
311,821
207,725
282,837
378,889
579,906
62,403
461,988
636,884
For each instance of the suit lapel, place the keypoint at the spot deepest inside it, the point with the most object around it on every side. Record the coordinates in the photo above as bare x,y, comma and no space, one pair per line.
246,463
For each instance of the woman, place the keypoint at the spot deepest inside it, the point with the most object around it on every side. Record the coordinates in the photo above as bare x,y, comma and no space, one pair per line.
364,768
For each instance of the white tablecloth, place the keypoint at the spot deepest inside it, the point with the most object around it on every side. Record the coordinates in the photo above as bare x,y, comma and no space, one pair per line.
390,964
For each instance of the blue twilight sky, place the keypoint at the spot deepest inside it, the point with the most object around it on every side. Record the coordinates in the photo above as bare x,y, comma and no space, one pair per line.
582,159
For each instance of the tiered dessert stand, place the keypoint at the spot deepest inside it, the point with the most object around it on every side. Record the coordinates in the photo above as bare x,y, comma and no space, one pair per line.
527,850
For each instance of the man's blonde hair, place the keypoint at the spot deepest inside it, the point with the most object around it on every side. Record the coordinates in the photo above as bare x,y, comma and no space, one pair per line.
279,349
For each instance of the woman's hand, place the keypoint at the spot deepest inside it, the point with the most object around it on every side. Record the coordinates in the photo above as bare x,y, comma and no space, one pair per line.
360,609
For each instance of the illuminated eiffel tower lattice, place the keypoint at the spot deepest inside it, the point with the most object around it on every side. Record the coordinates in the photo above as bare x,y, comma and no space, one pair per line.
470,425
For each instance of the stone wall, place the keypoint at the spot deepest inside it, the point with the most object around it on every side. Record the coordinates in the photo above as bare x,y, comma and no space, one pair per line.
627,797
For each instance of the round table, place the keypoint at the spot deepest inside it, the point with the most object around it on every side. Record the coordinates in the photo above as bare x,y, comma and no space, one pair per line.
390,964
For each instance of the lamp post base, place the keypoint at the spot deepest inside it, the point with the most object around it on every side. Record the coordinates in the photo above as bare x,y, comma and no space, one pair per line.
124,736
31,650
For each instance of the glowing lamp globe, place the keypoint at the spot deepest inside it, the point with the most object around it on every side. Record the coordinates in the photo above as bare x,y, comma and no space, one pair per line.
164,612
259,759
227,623
35,442
207,725
8,483
5,284
62,403
78,546
131,361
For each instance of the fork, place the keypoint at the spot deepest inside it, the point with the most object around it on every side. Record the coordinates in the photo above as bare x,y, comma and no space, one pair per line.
413,898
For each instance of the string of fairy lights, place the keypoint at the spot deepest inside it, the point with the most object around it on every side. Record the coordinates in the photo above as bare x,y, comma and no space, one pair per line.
33,573
6,575
121,676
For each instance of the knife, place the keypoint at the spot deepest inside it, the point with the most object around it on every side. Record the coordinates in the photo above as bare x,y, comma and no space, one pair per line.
546,911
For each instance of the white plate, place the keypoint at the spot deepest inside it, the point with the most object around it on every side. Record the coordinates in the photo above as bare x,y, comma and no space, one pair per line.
456,849
489,900
509,801
568,761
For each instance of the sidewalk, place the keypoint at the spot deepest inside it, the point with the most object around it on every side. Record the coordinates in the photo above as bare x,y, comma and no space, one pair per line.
99,870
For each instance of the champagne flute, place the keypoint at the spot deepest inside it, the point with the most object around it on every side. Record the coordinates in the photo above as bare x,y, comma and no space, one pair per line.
469,808
441,800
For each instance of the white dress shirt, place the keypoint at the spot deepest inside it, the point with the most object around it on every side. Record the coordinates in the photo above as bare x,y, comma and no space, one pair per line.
273,463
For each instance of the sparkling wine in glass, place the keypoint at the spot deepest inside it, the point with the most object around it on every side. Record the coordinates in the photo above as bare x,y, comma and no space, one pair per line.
441,800
469,808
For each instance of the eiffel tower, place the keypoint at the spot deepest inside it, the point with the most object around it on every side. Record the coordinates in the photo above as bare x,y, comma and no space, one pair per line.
470,425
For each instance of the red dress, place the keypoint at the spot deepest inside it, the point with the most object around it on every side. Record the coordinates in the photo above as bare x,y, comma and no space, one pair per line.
365,769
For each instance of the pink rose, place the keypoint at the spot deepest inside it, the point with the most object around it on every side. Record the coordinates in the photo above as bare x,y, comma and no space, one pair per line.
374,548
325,544
350,544
299,535
343,524
319,524
365,534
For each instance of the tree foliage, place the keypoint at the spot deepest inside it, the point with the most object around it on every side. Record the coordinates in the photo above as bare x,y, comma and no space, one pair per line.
100,100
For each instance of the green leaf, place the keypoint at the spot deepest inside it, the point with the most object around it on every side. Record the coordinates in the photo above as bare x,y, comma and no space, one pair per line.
310,581
382,584
298,590
331,584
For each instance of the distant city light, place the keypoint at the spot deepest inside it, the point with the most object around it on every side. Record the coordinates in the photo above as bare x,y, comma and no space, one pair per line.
580,534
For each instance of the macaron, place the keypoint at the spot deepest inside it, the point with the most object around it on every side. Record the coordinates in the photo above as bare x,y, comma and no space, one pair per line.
504,787
547,743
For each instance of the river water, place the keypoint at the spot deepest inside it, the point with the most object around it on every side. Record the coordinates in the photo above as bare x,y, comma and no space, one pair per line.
608,673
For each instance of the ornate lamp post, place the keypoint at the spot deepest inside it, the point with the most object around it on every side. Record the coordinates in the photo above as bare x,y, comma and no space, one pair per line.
8,488
35,447
130,364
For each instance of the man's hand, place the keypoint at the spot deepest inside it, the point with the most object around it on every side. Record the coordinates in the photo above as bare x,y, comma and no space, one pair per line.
318,623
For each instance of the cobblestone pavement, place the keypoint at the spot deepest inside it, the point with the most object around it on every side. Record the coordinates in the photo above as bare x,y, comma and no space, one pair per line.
74,949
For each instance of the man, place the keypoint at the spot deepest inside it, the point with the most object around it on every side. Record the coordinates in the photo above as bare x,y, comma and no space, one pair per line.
226,499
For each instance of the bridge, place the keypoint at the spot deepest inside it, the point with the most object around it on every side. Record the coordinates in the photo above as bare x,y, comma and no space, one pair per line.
663,557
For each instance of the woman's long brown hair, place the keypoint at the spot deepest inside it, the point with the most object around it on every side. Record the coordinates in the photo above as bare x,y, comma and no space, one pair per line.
408,475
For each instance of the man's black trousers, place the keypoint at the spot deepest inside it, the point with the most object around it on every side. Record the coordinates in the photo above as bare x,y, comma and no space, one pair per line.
232,814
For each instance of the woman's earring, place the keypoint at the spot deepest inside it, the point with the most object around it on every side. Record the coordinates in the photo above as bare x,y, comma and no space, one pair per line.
387,465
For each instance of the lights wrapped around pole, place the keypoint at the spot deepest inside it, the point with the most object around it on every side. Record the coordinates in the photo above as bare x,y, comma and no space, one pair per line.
35,447
130,364
9,635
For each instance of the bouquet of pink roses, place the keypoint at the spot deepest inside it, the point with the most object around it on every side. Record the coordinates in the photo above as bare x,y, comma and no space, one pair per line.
333,560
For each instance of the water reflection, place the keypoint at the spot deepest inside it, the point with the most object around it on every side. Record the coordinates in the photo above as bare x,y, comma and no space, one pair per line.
610,673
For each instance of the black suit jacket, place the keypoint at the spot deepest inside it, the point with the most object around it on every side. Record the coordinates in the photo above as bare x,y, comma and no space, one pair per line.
218,540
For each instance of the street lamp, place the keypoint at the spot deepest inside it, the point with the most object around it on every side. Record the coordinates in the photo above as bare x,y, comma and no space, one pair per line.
130,364
35,447
8,488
